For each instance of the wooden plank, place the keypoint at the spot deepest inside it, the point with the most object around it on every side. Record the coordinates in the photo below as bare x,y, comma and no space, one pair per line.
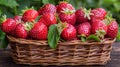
6,61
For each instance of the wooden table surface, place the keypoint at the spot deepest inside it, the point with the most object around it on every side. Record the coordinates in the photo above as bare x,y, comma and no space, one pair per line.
6,61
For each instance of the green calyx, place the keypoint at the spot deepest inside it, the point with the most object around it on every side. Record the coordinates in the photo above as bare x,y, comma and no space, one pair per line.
82,37
61,26
87,13
26,8
100,33
3,18
68,11
108,19
28,26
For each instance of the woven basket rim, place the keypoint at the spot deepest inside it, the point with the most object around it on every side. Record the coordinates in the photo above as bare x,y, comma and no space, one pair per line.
72,42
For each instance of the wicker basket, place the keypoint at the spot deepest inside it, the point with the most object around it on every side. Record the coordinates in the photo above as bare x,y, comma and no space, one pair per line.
33,52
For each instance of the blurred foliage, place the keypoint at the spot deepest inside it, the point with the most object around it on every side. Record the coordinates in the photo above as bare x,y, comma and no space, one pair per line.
13,7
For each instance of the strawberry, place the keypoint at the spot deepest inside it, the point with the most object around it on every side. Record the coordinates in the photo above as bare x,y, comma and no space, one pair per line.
39,31
112,29
48,19
64,5
98,13
30,15
20,31
17,18
47,8
8,25
99,28
84,29
82,15
69,32
69,18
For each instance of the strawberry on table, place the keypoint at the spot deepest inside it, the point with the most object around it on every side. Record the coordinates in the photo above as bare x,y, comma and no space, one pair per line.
39,31
47,8
30,15
69,32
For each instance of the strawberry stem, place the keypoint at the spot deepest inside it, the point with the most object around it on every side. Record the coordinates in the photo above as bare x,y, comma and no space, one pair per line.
87,13
109,18
28,26
100,33
26,8
68,11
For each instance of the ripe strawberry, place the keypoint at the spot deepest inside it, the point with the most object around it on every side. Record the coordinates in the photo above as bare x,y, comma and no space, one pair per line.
98,13
82,15
64,5
48,19
17,18
84,29
20,31
99,28
112,29
69,32
47,8
8,25
67,16
30,15
39,31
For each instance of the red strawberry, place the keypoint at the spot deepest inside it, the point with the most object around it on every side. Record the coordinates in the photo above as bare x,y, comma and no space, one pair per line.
17,18
112,29
30,15
84,29
8,25
69,32
99,28
82,15
47,8
39,31
68,16
48,19
63,5
98,13
20,31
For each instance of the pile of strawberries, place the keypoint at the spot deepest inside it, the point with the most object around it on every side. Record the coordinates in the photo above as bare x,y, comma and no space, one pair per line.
78,23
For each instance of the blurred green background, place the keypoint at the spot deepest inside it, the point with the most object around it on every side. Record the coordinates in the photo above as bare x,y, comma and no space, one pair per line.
14,7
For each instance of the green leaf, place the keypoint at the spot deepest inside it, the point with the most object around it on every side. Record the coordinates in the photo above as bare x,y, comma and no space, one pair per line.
9,3
53,36
4,43
83,39
93,37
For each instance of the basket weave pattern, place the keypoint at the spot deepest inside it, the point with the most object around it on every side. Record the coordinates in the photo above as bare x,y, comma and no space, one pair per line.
74,52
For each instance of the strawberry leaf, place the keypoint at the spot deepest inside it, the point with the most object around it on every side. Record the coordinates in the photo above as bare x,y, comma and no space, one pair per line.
83,39
53,36
93,37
